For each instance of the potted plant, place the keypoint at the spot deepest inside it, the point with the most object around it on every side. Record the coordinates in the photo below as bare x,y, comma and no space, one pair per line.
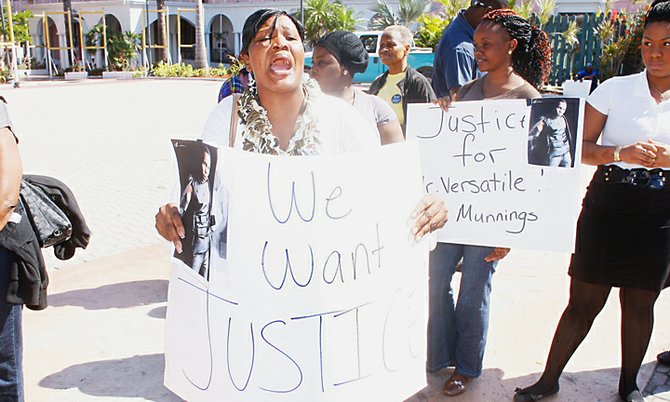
76,72
123,50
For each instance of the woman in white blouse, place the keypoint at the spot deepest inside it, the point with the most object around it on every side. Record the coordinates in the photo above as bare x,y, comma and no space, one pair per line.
623,233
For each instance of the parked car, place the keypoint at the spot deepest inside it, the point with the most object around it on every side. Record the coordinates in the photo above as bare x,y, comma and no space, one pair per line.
420,59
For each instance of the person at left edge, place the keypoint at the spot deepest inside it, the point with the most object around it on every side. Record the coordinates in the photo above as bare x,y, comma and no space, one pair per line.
11,343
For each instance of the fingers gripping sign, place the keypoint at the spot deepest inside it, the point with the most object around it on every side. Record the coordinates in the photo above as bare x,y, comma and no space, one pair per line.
169,225
430,215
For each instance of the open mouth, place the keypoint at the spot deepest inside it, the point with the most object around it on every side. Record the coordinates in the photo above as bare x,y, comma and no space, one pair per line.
281,65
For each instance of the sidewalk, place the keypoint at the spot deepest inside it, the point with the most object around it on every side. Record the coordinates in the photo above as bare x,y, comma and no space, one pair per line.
101,339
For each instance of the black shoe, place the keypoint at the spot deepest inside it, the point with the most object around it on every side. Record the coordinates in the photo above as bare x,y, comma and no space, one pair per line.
521,395
634,396
664,358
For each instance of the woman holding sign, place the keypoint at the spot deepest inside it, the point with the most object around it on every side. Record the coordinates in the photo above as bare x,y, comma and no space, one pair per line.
281,114
516,58
623,238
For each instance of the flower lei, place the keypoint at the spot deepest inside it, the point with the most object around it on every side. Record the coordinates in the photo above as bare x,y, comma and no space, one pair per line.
257,134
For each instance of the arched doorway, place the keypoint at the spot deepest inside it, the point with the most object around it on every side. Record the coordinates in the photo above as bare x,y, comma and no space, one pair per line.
52,32
187,32
221,39
112,23
152,38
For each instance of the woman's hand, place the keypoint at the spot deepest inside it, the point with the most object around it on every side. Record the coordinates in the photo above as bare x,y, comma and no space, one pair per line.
661,155
169,225
429,215
498,253
640,153
444,103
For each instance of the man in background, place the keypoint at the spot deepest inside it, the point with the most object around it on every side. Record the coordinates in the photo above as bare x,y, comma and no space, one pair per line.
454,63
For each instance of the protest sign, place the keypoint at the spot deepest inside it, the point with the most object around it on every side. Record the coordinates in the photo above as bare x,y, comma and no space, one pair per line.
322,293
507,170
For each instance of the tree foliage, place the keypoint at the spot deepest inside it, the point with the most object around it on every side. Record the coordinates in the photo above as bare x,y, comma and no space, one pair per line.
431,30
21,26
432,26
409,11
621,35
122,48
383,17
323,16
450,8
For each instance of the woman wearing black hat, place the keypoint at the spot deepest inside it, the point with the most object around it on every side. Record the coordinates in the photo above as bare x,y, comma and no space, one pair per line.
337,57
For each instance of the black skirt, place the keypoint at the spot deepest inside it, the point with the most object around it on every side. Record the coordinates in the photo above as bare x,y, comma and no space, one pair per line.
623,235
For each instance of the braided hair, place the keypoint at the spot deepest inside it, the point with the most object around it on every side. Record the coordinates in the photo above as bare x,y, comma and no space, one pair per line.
532,57
659,11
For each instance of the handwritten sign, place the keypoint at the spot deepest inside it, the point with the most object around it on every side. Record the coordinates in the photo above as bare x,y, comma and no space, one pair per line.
481,158
322,296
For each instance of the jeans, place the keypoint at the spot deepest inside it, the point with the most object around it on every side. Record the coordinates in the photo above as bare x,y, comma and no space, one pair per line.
457,332
563,160
11,343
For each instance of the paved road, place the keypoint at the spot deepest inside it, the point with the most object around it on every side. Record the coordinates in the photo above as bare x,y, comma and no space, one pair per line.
102,337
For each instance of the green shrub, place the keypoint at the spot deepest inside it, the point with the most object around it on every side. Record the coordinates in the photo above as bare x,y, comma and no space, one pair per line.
186,70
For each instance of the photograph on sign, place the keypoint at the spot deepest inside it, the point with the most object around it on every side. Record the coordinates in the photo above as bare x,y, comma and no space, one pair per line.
203,228
553,132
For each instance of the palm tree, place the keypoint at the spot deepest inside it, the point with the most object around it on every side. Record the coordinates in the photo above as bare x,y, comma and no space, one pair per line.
322,16
546,9
162,54
200,49
67,7
316,17
384,16
452,7
409,11
344,18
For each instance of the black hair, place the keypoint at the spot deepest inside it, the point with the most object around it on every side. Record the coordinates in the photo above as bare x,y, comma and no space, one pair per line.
495,4
659,11
532,57
347,48
256,20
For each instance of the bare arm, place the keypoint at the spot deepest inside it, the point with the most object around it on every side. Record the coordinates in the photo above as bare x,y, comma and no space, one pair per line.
390,132
641,153
453,93
11,172
536,129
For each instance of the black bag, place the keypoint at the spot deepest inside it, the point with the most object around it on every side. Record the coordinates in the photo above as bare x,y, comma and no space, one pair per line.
49,222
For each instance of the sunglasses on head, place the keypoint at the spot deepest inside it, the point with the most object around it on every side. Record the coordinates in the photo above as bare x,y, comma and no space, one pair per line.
480,4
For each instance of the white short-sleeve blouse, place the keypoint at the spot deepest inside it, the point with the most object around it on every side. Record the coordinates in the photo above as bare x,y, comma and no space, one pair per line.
341,127
632,113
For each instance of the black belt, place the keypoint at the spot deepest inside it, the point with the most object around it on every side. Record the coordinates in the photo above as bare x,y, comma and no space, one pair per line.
640,178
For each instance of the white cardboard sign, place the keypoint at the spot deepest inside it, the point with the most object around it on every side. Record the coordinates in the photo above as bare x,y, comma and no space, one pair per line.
490,161
322,295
